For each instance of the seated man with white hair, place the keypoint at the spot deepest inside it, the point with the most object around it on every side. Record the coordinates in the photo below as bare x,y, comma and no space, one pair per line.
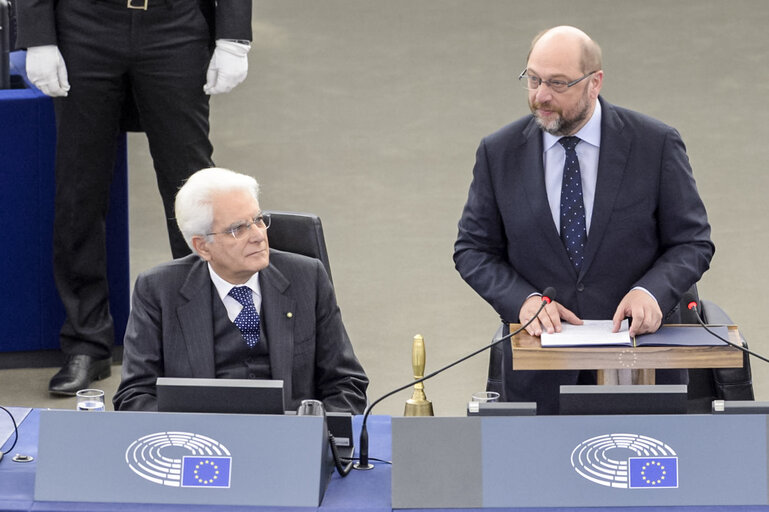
237,309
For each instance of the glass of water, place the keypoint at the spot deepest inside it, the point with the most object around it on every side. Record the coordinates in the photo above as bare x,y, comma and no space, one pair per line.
485,396
90,400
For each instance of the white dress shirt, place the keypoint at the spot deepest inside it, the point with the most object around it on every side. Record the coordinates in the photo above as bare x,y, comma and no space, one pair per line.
587,151
223,289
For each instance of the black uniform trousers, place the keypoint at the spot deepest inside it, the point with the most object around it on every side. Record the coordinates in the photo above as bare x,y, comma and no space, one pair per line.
159,56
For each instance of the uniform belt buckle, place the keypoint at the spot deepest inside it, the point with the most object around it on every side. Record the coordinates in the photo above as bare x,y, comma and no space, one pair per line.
130,5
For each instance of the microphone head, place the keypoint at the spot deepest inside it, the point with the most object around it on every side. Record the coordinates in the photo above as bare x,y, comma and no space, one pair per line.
548,294
689,300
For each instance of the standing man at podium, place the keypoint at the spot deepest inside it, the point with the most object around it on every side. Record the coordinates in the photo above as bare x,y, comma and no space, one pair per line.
95,57
592,199
237,309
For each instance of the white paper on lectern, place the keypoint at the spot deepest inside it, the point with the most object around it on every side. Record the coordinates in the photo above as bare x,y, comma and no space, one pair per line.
590,333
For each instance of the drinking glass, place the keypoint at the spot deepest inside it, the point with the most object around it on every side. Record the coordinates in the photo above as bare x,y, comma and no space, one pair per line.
486,396
91,400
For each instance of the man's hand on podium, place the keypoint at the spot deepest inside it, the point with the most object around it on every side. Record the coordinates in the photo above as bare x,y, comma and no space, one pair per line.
643,309
549,318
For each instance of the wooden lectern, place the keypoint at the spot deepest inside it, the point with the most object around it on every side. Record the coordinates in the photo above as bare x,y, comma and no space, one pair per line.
528,354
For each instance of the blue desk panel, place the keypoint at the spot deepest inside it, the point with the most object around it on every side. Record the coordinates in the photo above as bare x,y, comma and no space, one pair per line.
367,491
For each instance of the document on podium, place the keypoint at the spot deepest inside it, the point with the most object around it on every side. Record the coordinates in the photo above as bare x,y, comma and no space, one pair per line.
595,333
590,334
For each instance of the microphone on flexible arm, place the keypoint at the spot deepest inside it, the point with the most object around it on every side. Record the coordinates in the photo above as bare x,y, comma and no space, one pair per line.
691,303
548,295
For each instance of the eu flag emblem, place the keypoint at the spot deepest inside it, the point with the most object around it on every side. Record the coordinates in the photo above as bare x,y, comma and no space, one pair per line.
206,471
652,472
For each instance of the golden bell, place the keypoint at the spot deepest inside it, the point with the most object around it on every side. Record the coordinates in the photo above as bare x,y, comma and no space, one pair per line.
418,404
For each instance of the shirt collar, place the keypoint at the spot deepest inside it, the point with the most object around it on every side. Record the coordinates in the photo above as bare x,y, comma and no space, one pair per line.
223,287
590,133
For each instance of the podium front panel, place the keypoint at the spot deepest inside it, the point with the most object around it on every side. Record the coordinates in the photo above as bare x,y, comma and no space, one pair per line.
583,461
444,471
214,459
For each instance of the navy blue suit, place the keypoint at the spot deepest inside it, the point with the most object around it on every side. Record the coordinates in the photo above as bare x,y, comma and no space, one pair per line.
649,228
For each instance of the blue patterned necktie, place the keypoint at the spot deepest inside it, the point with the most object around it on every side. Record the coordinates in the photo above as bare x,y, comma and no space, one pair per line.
573,230
248,319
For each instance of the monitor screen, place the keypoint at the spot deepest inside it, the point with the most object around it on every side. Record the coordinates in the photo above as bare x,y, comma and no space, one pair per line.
239,396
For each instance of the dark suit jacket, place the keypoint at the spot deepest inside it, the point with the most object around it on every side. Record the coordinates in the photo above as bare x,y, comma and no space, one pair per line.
649,227
228,19
170,333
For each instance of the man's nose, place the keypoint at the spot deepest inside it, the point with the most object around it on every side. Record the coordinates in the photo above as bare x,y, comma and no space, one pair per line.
256,234
543,94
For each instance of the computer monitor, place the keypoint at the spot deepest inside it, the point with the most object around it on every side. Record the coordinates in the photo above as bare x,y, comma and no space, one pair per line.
624,399
239,396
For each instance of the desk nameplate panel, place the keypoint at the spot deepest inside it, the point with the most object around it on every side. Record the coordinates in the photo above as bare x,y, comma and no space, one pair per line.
582,461
181,458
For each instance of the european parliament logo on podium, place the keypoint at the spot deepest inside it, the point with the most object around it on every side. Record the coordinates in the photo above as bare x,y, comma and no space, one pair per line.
206,471
160,458
653,472
626,461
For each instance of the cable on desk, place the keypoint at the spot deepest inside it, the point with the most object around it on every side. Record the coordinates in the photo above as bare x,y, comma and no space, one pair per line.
15,432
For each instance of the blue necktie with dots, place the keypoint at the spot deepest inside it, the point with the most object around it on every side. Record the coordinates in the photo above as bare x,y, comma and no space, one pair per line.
248,319
573,229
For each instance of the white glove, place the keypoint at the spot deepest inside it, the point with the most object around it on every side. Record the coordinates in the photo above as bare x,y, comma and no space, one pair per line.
46,69
228,66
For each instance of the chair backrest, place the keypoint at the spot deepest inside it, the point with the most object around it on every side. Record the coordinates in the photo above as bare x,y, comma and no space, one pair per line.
708,384
301,233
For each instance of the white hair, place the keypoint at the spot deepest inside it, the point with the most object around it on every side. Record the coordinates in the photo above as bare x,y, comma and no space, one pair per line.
194,202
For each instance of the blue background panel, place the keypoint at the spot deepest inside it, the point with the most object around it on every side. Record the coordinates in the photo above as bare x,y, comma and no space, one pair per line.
30,310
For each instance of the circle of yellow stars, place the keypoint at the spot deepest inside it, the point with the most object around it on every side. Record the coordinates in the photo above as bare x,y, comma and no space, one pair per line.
660,470
202,480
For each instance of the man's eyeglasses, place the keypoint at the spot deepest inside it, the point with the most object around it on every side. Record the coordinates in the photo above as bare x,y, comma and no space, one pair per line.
239,231
532,83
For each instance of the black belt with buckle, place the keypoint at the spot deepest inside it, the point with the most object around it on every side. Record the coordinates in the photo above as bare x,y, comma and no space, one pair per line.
137,4
141,5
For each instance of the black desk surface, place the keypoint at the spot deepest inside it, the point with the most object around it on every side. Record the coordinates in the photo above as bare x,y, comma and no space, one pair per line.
367,491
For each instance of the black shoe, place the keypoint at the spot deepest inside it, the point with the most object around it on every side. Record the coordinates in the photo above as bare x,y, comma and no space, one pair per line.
78,372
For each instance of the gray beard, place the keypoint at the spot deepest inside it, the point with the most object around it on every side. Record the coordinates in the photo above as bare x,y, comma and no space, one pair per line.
562,126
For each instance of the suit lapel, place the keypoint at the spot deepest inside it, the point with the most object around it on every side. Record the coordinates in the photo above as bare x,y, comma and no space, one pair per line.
278,310
612,163
533,180
196,320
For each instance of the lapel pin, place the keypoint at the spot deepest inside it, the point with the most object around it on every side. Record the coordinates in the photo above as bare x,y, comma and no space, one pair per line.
289,315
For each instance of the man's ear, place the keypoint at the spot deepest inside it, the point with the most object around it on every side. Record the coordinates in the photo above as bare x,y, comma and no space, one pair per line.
597,82
201,247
